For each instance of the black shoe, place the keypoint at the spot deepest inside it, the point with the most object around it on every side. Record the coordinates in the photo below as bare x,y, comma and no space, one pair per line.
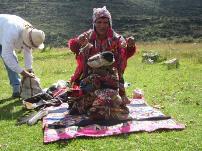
16,95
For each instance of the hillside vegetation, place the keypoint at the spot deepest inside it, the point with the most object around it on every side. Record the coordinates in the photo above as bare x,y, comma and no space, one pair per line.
147,20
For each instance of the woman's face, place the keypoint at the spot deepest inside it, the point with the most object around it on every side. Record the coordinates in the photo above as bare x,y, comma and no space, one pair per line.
102,25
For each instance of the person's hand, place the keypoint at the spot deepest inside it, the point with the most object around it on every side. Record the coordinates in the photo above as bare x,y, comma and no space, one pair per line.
123,44
130,41
25,73
30,71
83,40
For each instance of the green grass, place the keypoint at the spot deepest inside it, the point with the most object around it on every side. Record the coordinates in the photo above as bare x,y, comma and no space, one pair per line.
179,91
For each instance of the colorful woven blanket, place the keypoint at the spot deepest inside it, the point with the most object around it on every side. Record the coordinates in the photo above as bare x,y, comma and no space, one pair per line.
59,125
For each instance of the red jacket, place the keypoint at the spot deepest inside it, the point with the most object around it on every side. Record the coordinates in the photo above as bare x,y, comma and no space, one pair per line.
112,43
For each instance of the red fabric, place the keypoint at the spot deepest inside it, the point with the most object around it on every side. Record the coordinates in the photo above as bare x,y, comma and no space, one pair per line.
59,91
126,54
79,69
74,45
75,91
121,56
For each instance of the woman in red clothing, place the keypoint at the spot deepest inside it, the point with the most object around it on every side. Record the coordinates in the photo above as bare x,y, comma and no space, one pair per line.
101,38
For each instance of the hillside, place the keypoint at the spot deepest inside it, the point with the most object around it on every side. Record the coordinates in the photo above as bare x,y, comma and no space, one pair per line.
147,20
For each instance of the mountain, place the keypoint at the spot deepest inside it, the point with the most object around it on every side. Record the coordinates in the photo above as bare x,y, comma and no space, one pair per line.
147,20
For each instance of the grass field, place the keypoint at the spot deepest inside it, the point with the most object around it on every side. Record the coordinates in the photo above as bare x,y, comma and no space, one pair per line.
177,91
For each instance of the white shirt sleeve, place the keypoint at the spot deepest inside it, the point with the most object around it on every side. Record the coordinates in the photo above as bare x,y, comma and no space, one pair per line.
9,56
28,59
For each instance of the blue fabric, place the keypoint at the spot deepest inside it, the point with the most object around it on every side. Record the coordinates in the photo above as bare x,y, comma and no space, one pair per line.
13,76
86,87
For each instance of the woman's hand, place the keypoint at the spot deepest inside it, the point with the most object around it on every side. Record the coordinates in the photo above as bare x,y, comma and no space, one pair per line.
83,40
130,41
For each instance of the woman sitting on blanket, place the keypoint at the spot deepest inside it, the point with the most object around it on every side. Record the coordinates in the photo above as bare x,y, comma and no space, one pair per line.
101,38
100,97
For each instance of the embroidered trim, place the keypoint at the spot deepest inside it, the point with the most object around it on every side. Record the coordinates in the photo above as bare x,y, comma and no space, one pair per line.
30,38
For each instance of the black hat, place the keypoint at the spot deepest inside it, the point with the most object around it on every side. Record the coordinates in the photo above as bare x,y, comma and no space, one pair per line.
108,56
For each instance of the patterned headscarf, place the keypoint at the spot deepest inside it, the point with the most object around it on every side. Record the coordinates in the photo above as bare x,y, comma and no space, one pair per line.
101,12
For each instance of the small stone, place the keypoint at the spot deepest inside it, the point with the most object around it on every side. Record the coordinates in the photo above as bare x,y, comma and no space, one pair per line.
172,63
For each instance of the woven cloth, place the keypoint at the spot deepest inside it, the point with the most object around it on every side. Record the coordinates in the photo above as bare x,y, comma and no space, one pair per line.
59,125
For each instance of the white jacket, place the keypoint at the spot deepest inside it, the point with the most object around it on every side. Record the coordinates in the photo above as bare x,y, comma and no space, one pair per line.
11,28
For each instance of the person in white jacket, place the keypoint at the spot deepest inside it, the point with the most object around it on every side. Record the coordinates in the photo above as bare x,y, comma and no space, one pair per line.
18,34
